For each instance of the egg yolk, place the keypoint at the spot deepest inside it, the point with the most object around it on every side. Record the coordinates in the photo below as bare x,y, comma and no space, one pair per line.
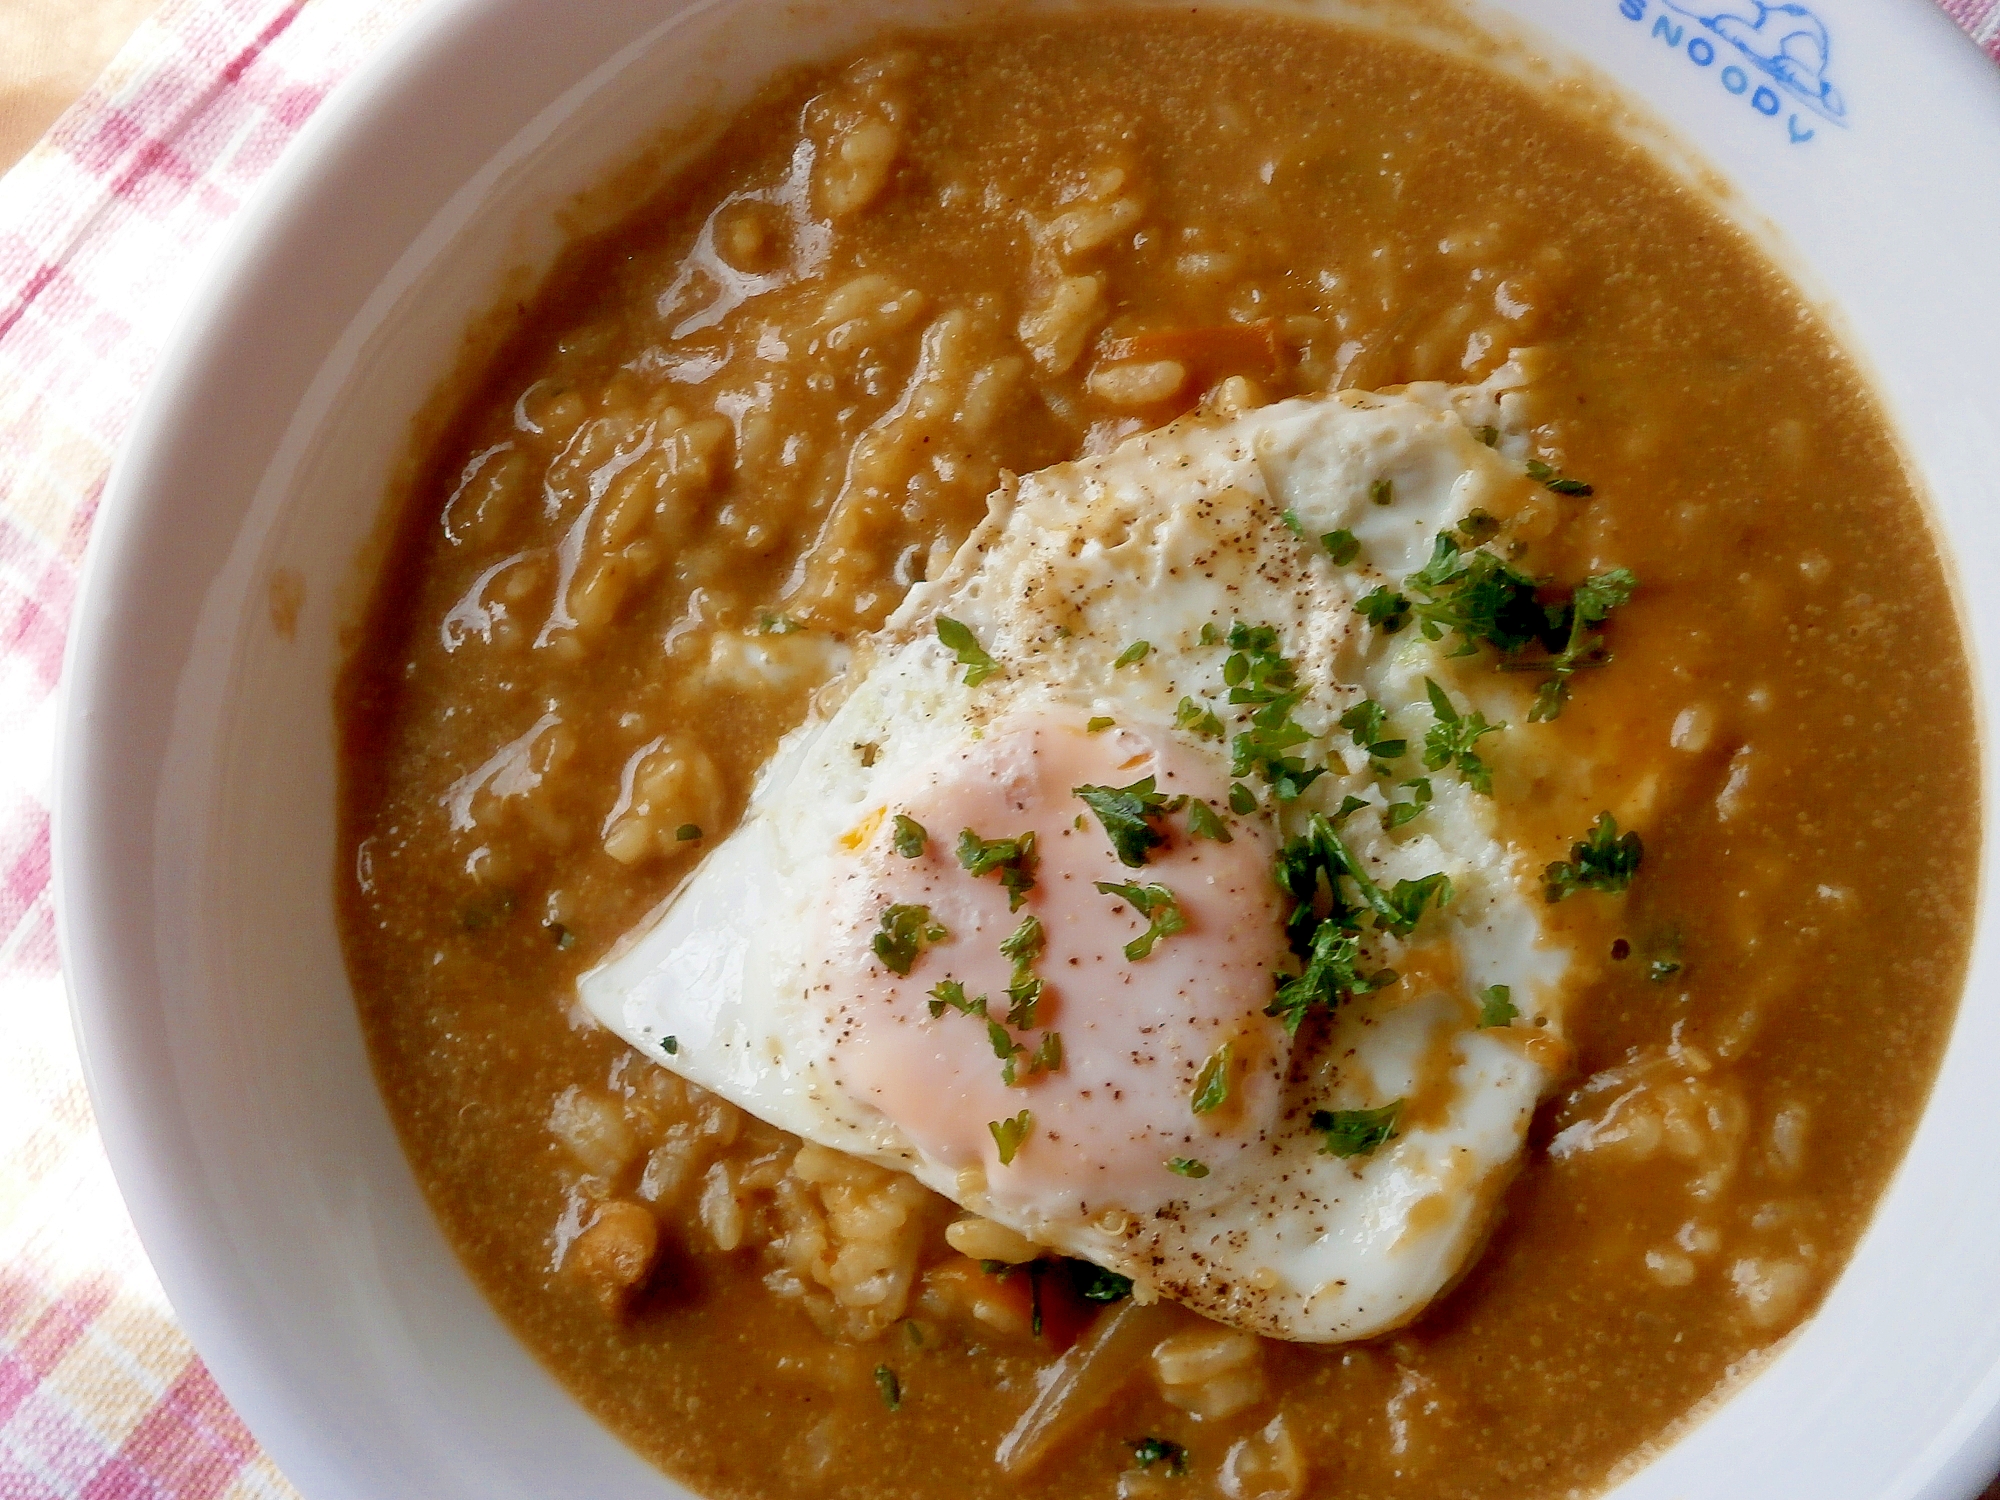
1113,1124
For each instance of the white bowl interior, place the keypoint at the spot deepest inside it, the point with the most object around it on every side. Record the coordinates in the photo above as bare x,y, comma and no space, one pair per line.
196,836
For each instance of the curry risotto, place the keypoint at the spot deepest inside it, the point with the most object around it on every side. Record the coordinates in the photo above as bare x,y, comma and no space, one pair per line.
729,436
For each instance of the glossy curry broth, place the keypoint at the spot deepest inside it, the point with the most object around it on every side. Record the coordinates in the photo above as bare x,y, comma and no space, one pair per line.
840,326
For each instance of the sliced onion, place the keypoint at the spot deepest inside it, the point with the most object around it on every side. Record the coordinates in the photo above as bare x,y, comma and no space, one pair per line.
1097,1367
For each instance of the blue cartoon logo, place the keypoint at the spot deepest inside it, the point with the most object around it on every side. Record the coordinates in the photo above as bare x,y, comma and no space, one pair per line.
1787,43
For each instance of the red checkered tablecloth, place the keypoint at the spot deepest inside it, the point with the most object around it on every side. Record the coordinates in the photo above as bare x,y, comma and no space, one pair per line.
104,228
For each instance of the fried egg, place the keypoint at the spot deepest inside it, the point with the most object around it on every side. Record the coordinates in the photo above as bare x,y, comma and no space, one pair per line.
856,963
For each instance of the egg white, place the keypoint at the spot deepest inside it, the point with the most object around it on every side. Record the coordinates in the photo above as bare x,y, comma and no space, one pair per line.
1203,523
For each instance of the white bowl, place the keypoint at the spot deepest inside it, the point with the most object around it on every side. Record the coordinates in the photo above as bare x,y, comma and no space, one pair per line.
195,841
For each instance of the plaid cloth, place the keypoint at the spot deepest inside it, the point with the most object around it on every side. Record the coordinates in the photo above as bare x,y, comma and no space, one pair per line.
103,230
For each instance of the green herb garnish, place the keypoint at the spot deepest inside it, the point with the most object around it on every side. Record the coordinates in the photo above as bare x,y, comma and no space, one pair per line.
1587,609
1257,674
906,932
1155,903
1198,718
1241,799
1357,1132
1014,860
889,1386
1186,1166
972,656
1009,1134
1478,527
1341,546
1449,742
1095,1284
1023,945
1365,722
1604,860
950,994
1477,597
1312,867
1396,814
1662,969
1148,1451
1211,1085
1381,492
1384,608
1204,824
1100,723
1496,1006
1128,814
1133,654
1332,973
1487,435
910,837
671,1045
686,832
1549,477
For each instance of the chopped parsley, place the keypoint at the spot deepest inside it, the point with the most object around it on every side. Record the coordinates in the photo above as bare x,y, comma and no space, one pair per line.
1009,1134
1099,723
910,837
971,655
1241,799
1550,477
1605,860
1046,1058
1496,1006
1257,674
1587,609
1332,972
1209,635
1477,597
1186,1166
906,932
1396,814
889,1386
1155,903
1482,600
1382,492
1204,824
1341,546
1024,992
1095,1284
1478,527
1356,1132
671,1045
1317,861
686,832
950,994
1365,722
1133,654
1147,1451
1198,718
1128,814
1662,969
1293,523
1487,435
1450,741
1211,1085
1384,608
1013,859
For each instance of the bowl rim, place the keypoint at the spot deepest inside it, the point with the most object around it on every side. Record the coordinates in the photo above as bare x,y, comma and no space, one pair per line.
177,1216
